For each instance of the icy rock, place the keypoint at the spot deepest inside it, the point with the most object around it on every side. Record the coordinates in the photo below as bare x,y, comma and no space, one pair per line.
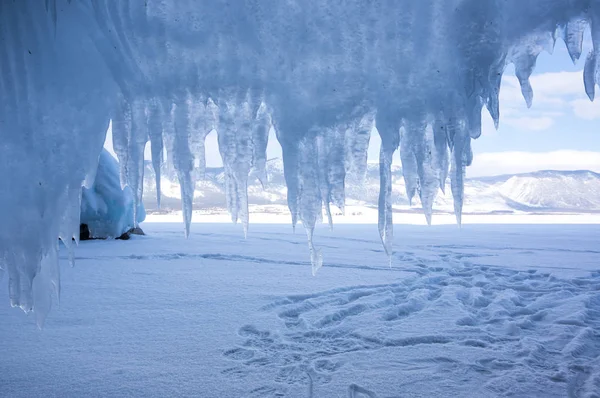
106,209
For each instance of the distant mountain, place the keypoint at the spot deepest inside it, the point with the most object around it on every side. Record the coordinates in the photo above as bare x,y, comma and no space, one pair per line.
542,191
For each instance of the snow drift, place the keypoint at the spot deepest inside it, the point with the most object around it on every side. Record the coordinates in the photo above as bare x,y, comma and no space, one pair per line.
320,72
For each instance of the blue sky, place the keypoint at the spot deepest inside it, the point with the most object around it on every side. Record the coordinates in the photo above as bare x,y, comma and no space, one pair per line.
561,131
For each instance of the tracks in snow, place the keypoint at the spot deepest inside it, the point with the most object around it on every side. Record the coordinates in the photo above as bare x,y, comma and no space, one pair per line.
505,332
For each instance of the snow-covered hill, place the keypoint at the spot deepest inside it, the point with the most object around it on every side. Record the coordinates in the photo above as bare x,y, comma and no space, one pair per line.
542,191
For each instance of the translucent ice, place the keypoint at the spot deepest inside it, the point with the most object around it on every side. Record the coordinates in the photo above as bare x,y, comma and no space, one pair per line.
318,72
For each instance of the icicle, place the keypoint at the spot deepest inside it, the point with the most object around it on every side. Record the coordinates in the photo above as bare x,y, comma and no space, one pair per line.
336,171
573,36
45,284
591,71
260,139
181,156
474,106
460,151
493,94
524,57
204,115
420,171
409,162
356,143
20,278
440,142
331,171
291,174
241,179
589,75
155,131
524,65
237,119
429,174
121,126
69,226
316,258
322,167
389,131
137,142
310,201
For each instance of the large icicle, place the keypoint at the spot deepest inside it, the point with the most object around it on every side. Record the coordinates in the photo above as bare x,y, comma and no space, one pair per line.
573,33
69,226
260,139
155,133
357,138
310,200
121,126
138,138
461,158
440,142
389,131
243,132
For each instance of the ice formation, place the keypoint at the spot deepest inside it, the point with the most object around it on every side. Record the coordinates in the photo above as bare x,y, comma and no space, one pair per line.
106,208
318,71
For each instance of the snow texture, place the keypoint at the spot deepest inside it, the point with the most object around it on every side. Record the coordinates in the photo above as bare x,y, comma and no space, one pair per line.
495,311
313,69
106,209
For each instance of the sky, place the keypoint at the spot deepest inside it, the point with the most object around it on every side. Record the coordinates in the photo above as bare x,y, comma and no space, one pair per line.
561,131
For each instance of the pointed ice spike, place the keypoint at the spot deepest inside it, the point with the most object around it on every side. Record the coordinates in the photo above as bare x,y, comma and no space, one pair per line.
156,143
458,173
328,213
121,127
388,127
138,137
242,200
493,93
324,185
356,146
310,200
260,140
316,258
589,75
336,170
524,65
290,173
427,169
440,142
474,118
386,226
573,37
182,157
409,163
187,198
231,196
69,224
44,284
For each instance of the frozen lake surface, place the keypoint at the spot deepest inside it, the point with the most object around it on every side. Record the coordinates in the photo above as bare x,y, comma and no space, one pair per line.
486,311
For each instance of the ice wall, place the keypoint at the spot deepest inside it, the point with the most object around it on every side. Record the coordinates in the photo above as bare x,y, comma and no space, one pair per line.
318,71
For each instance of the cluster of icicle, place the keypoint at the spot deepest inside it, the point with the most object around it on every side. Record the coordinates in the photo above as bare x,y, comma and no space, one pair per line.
321,73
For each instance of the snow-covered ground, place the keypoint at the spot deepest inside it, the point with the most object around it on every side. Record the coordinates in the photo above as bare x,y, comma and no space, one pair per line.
489,310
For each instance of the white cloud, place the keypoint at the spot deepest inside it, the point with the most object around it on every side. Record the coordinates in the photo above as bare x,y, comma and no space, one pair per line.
496,163
530,123
586,109
554,95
